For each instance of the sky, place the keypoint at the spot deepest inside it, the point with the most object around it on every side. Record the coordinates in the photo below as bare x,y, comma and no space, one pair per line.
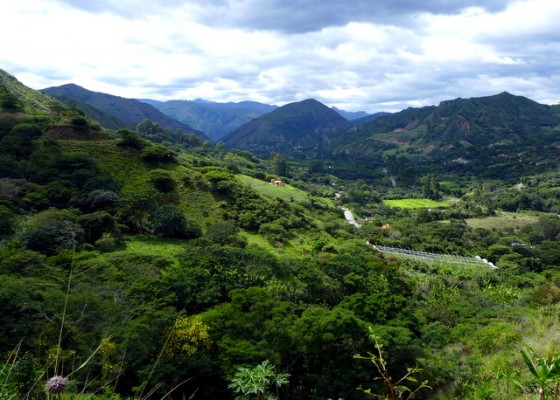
370,55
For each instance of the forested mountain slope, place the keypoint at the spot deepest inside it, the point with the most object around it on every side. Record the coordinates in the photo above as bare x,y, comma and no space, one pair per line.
128,110
301,127
487,135
215,119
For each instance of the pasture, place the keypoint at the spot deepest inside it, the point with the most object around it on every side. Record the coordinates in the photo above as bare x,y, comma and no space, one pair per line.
503,221
416,203
286,192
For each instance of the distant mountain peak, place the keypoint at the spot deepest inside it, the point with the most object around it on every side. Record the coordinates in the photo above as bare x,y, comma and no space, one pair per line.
303,126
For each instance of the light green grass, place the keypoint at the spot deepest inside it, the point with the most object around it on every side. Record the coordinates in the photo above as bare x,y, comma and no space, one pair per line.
170,249
286,192
124,164
503,221
416,203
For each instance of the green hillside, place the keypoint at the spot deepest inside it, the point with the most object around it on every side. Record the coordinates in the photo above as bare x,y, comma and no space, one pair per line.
105,120
496,136
128,110
214,119
16,96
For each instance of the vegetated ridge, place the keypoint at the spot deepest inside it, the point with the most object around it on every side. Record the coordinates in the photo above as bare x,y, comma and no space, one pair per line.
214,119
128,110
478,134
302,127
29,99
351,115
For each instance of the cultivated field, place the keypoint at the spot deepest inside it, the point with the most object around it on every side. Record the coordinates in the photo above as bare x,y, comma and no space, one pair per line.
416,203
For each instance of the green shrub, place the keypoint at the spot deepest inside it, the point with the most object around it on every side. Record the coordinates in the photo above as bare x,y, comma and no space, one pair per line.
162,180
158,153
170,222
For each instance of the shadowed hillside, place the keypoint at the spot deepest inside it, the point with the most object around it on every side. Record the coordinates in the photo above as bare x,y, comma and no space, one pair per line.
305,126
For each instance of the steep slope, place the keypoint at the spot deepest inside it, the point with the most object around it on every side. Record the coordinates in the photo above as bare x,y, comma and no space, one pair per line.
305,126
461,122
21,96
215,119
502,132
129,110
106,120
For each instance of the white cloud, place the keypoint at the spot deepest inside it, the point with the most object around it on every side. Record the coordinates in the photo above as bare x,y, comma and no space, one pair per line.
340,54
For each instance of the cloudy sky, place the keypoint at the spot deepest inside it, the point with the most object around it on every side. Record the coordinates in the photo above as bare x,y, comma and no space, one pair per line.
372,55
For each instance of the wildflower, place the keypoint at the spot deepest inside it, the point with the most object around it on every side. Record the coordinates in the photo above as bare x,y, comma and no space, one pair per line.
57,384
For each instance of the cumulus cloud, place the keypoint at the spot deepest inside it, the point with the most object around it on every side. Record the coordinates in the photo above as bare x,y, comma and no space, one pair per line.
356,55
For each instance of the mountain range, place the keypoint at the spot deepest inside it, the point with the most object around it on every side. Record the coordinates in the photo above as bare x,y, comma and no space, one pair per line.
114,112
214,119
484,135
493,136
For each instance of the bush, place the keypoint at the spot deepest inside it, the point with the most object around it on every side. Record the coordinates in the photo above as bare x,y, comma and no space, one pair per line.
273,232
162,180
7,221
53,236
130,139
95,225
170,222
107,243
158,153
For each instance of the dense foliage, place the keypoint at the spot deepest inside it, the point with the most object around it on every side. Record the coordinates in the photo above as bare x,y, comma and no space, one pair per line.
136,270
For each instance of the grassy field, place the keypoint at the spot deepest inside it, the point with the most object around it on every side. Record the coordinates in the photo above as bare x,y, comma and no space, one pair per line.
286,192
416,203
503,221
167,248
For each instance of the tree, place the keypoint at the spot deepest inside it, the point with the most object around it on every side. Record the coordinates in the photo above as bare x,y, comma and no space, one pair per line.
315,167
430,187
9,102
96,224
100,199
187,336
136,208
130,139
170,222
7,221
258,383
158,153
278,165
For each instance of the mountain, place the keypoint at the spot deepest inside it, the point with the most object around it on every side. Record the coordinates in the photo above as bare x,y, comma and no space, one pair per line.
351,115
128,110
106,120
468,134
215,119
305,126
369,117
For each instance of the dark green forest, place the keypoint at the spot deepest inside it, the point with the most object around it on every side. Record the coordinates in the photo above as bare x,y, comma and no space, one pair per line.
144,263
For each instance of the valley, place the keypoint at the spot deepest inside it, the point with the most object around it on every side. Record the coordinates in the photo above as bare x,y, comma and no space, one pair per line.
141,260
